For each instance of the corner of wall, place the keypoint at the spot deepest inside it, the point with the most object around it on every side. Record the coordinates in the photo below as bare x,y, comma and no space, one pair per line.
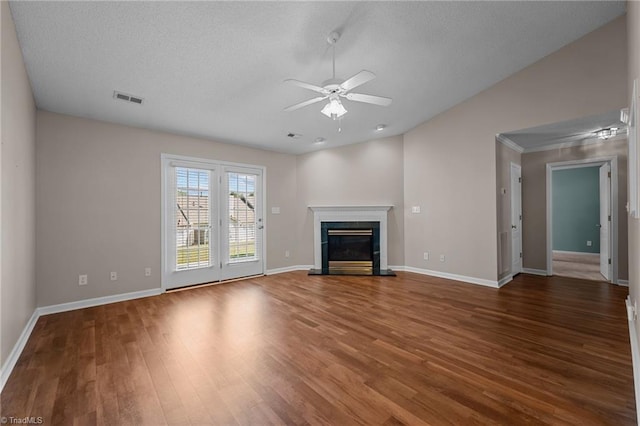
17,190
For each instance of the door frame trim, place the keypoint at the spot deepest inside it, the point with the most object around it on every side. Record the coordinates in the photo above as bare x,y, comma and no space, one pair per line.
575,164
513,165
165,160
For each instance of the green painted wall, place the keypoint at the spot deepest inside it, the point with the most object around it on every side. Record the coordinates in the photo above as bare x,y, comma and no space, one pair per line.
576,209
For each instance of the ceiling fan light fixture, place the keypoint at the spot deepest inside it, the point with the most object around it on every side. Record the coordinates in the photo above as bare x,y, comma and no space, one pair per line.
607,133
334,109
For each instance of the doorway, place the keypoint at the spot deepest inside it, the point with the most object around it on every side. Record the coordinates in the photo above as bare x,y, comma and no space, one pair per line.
212,224
582,237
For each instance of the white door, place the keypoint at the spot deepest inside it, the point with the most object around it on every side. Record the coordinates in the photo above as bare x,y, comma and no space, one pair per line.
191,197
242,224
516,219
605,221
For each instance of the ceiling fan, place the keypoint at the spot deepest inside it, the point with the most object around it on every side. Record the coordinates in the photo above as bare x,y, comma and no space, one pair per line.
334,89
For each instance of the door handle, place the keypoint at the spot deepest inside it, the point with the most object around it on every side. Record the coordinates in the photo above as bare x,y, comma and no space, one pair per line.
513,227
598,225
260,227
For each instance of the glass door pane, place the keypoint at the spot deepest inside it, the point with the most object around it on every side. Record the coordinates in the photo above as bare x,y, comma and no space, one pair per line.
242,222
242,217
192,216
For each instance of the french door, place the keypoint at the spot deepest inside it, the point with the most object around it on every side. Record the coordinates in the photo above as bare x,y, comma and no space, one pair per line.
242,223
212,221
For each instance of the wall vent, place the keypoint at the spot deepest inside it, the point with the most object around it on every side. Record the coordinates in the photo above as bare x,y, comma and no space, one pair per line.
127,98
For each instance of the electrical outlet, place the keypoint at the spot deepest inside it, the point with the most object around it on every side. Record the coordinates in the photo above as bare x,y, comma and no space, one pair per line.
442,258
286,253
147,272
114,276
425,256
83,280
589,243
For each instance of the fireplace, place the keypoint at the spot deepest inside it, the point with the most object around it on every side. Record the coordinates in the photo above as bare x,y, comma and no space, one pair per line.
350,240
351,248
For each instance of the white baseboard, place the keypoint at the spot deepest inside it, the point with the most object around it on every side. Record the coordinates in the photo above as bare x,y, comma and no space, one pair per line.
635,357
623,283
105,300
531,271
505,280
463,278
288,269
11,361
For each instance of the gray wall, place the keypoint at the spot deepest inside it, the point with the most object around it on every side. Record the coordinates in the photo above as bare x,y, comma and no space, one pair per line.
450,160
368,173
98,192
575,209
18,130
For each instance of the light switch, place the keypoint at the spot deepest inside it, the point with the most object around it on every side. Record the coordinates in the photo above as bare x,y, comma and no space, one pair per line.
275,210
415,209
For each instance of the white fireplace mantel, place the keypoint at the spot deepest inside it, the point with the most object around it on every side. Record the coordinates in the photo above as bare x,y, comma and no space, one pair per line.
349,214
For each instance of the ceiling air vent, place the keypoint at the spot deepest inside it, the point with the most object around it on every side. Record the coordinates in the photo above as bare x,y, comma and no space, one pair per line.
127,98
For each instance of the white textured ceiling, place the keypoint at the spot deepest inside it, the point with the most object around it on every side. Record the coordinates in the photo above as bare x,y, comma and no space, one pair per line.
216,69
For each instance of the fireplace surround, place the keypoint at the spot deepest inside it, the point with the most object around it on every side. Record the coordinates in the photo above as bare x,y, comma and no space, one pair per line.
350,240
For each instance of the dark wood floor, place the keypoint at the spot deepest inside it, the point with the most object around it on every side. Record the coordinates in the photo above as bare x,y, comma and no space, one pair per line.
293,349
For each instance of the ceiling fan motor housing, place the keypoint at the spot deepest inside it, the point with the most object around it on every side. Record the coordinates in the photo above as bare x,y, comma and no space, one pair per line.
333,37
332,85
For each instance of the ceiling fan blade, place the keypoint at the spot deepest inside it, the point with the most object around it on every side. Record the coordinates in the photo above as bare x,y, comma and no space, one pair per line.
304,104
369,99
308,86
359,79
